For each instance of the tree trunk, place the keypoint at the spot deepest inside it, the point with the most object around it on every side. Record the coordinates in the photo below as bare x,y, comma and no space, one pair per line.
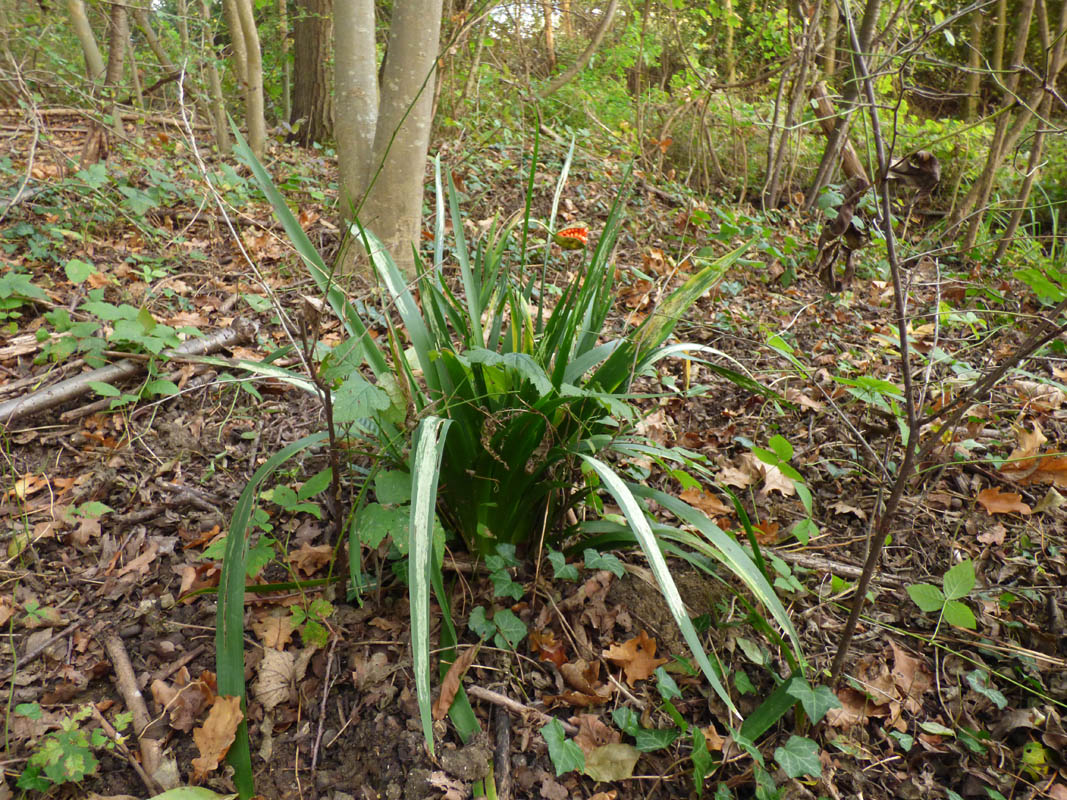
1033,169
829,51
583,59
312,114
287,68
550,38
94,63
135,79
973,86
402,137
117,37
1005,140
476,63
356,68
865,35
183,26
214,84
1000,34
238,58
254,117
566,21
729,56
980,189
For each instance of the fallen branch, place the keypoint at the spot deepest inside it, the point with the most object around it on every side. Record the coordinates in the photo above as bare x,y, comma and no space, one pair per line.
16,409
151,748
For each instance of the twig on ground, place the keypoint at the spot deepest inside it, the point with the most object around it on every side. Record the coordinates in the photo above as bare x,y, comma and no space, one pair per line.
35,653
150,783
516,707
20,407
151,749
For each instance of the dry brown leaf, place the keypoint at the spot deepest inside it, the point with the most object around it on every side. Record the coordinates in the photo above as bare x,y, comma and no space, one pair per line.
547,647
453,788
637,657
714,740
216,735
911,678
1039,396
995,535
841,507
276,681
451,683
774,480
142,562
582,675
654,427
369,672
856,708
794,395
593,733
707,502
309,559
274,631
732,476
185,703
996,501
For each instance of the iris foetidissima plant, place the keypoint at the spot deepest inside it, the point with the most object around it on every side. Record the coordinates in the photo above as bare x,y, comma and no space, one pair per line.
497,394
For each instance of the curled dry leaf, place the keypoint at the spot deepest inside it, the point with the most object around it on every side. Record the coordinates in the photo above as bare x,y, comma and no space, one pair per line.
451,683
216,735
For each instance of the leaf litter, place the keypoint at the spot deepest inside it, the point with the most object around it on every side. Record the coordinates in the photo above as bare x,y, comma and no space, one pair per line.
137,567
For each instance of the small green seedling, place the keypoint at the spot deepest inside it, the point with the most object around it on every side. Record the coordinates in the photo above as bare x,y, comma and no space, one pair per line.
957,583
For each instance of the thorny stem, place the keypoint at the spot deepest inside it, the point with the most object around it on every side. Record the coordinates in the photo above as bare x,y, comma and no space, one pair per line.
913,454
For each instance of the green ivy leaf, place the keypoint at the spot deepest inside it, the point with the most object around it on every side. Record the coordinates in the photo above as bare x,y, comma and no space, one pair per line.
668,689
561,570
800,756
594,560
566,755
648,740
315,484
612,762
626,720
979,681
702,761
393,487
375,522
510,629
816,701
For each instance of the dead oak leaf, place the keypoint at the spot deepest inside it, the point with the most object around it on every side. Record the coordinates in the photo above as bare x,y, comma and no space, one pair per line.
274,631
707,502
996,501
309,559
216,735
637,657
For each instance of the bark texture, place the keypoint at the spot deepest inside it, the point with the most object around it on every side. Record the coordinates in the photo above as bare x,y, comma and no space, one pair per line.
312,101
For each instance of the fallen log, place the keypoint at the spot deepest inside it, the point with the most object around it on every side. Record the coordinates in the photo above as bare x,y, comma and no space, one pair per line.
51,396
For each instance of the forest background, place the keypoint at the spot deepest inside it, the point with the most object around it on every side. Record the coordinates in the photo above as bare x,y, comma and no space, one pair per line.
349,341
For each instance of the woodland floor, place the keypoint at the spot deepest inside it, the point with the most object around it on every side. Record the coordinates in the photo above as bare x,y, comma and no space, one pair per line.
78,597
